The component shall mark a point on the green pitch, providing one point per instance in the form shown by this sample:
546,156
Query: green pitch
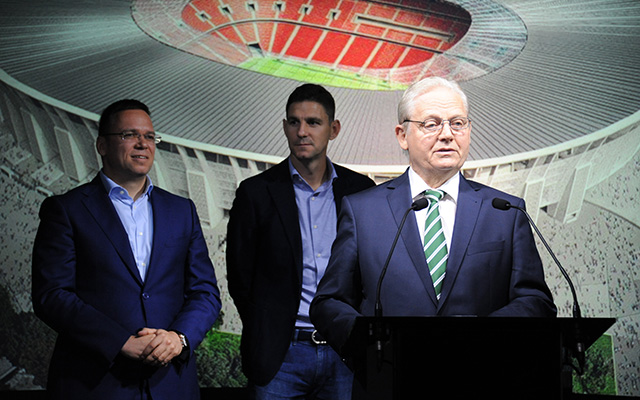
599,373
317,74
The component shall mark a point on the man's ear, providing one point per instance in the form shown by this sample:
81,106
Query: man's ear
335,129
401,135
101,145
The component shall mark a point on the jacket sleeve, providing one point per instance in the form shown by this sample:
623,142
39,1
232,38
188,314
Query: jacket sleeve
241,258
54,286
337,301
202,303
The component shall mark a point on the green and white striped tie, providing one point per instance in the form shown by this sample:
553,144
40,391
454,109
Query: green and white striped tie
435,244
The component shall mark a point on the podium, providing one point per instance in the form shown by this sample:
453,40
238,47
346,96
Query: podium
466,357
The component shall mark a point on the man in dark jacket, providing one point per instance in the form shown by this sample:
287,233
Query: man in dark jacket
282,224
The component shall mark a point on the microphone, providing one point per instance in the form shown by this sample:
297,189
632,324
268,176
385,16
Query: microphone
419,202
502,204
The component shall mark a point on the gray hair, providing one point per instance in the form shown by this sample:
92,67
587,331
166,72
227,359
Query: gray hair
405,107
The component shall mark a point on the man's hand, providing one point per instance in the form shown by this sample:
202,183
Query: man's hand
162,348
135,345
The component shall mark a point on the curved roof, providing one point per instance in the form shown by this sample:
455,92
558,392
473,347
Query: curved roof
577,73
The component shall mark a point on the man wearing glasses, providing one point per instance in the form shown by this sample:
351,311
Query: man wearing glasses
458,256
122,273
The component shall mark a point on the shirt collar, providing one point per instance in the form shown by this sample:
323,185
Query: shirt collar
114,189
451,187
294,172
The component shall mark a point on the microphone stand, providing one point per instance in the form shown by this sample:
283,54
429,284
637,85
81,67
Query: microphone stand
579,349
418,204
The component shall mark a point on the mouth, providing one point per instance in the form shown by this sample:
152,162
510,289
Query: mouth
140,157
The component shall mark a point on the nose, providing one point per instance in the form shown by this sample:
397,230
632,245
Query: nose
141,141
302,129
445,131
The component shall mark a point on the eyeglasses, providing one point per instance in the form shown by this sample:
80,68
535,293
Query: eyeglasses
431,126
130,136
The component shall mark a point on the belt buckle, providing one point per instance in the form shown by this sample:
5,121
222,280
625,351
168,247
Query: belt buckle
316,341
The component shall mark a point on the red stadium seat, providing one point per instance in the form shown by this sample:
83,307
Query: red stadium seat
331,47
359,51
304,41
370,37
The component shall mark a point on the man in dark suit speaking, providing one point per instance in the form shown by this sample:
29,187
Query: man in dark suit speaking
122,273
281,227
459,256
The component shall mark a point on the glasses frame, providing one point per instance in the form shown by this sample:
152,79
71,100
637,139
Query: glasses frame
454,131
134,136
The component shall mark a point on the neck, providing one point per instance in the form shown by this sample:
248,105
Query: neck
134,186
434,181
314,172
136,190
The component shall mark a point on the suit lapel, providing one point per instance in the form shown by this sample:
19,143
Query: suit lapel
339,191
99,205
398,202
161,225
281,191
467,212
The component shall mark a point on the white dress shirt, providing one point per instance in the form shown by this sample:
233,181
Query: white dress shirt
447,204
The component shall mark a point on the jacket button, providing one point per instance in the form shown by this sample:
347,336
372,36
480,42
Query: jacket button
145,295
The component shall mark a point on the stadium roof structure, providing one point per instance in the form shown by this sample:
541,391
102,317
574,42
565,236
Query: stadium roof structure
537,74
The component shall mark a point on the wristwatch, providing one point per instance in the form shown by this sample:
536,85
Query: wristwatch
183,340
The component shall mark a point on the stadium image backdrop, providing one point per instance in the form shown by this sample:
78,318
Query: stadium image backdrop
553,86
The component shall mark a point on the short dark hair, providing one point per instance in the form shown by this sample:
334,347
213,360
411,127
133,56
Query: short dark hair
114,108
316,93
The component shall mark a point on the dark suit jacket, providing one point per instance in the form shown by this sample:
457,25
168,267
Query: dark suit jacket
494,268
264,263
87,287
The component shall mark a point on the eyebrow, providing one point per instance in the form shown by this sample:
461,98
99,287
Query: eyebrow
308,119
136,131
439,117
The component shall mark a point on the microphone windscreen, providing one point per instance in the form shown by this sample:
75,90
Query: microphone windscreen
420,203
500,204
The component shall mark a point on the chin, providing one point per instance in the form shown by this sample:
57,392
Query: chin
446,167
141,173
304,156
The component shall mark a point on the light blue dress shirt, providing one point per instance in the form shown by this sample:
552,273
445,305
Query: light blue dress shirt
137,220
318,220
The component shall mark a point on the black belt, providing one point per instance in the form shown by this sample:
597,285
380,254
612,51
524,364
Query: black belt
309,336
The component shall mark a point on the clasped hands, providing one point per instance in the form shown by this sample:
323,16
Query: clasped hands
156,347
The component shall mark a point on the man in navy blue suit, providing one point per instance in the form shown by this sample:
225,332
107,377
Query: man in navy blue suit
488,262
122,273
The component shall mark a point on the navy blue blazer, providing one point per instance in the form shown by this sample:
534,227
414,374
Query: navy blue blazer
86,286
493,269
